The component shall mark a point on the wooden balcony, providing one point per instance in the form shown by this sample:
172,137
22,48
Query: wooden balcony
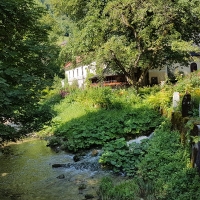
111,80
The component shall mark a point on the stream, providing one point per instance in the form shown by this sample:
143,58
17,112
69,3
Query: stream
26,173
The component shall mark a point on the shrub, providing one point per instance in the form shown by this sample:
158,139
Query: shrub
122,191
121,158
131,189
8,133
166,165
96,127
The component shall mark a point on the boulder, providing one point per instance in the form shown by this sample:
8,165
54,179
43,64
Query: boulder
94,152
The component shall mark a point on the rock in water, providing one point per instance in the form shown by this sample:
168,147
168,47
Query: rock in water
89,196
58,165
62,176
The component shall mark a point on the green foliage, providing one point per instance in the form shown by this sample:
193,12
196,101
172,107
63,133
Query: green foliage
7,133
28,61
161,171
54,142
188,84
147,90
108,98
99,97
96,128
161,97
43,112
74,85
91,117
121,158
166,164
132,37
36,119
132,189
123,191
93,129
159,167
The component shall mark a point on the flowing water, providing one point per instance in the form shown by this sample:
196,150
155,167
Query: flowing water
26,173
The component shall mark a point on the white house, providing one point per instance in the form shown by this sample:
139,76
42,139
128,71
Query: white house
158,76
79,73
155,76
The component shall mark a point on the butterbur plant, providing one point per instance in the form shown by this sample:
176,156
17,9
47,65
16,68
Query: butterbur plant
121,158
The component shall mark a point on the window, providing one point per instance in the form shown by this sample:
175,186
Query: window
154,80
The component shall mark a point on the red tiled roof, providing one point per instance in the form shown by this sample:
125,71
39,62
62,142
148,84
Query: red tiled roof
69,64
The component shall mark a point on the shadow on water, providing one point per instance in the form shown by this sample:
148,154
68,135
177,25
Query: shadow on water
26,173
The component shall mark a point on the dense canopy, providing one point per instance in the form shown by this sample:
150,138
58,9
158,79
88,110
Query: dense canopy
27,59
132,36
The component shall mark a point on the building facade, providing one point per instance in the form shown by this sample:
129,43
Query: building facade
154,76
158,76
79,74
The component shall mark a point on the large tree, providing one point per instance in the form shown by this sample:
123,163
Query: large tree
27,60
133,36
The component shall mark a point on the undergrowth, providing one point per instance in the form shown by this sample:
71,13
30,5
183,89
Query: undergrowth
162,171
97,128
158,168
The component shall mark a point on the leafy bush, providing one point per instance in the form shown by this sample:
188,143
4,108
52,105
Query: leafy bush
144,91
106,117
161,99
132,189
37,118
188,83
87,118
123,191
121,158
97,127
8,133
161,169
166,165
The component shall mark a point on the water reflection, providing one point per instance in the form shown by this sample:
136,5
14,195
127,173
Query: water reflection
26,173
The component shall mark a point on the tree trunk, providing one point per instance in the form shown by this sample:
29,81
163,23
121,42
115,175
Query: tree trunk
137,77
